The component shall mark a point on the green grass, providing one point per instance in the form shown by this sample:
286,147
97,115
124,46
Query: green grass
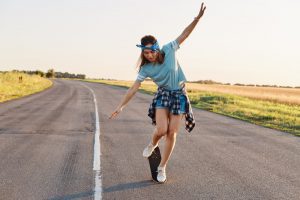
280,116
265,113
12,88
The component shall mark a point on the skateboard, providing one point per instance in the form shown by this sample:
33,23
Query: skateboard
154,161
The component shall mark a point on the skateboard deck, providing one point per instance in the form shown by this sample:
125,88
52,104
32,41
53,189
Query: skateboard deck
154,161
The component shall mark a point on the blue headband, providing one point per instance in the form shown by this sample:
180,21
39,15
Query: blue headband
154,47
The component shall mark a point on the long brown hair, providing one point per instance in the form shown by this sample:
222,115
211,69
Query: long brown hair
149,39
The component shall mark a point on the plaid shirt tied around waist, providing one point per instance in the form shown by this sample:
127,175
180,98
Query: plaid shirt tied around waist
170,98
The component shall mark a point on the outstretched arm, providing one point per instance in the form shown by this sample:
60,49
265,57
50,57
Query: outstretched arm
129,94
187,31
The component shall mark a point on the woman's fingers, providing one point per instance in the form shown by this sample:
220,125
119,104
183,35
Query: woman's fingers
114,114
202,9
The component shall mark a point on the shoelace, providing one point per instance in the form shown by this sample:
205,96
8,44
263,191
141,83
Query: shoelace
161,171
150,147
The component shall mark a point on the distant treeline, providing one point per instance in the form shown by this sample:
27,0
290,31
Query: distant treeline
239,84
50,74
67,75
215,82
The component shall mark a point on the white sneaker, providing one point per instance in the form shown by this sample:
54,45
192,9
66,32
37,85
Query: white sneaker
149,149
161,175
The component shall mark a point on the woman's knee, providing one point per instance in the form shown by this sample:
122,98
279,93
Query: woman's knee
161,131
171,133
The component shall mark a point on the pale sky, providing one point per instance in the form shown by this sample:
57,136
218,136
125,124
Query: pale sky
249,41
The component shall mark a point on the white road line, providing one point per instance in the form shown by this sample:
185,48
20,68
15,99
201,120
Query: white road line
97,153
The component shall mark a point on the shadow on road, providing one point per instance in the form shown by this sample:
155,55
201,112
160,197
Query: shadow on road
126,186
74,196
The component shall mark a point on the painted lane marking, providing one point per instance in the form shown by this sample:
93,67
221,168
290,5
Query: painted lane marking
97,153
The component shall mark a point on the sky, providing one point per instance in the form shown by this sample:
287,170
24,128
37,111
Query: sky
250,41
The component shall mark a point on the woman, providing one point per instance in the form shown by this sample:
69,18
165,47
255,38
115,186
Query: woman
170,102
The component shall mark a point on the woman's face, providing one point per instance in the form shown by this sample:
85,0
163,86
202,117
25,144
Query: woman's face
150,55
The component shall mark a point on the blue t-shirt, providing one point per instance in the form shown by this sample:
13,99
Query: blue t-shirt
168,74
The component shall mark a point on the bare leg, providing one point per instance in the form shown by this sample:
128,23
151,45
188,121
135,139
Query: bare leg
170,138
161,125
156,137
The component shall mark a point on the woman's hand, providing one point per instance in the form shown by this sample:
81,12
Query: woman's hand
115,113
201,12
129,94
187,31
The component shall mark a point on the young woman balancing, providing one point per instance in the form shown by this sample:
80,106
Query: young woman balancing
170,102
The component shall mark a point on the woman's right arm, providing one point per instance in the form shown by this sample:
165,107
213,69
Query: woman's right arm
129,94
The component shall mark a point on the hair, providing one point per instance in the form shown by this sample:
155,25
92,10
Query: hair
149,39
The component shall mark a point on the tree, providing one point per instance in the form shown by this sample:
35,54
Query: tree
40,73
50,73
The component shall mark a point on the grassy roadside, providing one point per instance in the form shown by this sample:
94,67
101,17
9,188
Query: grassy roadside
276,115
12,88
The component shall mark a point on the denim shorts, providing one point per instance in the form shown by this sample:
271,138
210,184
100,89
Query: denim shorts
182,99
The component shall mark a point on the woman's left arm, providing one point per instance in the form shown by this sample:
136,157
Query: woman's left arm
187,31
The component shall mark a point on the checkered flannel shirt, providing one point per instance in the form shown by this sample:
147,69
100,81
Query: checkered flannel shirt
172,101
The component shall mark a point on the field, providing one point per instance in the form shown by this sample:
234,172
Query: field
277,108
11,87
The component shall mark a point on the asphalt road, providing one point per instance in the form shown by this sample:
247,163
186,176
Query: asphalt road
47,139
